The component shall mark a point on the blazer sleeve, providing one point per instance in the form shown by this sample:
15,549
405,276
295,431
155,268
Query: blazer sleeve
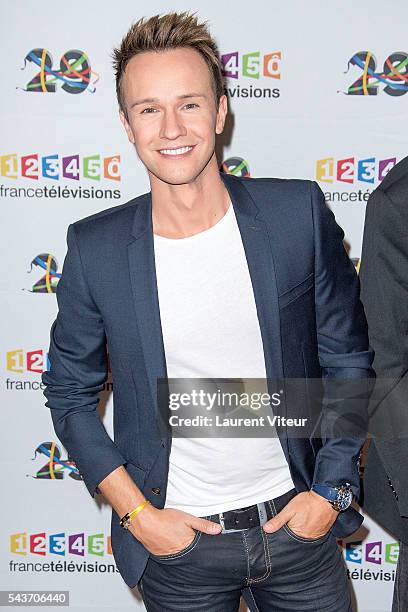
344,353
78,370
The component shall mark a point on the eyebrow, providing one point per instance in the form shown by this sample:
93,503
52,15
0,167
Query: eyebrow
155,100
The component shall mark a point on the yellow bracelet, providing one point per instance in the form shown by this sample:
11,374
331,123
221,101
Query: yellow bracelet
125,520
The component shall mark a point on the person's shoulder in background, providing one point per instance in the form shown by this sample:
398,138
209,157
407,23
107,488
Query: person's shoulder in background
396,179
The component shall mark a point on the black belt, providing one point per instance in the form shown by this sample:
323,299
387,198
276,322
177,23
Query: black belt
251,516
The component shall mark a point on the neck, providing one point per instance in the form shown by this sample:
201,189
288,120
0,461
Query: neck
179,211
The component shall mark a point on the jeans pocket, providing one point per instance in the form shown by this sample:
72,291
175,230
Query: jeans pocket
183,551
294,536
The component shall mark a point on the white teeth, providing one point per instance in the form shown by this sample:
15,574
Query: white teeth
175,151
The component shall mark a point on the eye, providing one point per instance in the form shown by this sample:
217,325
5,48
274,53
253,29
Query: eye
191,105
148,110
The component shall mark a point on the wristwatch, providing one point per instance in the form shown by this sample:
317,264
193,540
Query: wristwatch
339,497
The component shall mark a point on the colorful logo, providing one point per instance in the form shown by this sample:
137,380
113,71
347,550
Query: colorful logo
251,65
55,167
74,74
55,467
49,281
20,361
235,165
350,170
371,552
393,76
61,544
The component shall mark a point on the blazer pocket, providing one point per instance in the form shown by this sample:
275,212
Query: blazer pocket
295,292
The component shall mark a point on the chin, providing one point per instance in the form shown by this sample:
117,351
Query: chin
176,178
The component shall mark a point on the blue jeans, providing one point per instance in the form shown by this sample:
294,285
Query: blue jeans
276,572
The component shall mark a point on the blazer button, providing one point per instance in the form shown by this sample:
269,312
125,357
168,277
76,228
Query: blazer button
156,490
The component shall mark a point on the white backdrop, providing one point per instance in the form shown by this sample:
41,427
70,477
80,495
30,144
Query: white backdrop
65,155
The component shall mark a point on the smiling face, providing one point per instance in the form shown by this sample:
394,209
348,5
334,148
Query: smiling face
172,115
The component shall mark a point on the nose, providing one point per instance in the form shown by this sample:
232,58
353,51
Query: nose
172,126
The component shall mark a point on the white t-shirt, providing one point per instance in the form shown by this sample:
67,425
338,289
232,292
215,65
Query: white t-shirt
211,330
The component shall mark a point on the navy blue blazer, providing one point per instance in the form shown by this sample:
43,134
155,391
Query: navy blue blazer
311,319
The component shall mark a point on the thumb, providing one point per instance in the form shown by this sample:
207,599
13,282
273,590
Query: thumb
206,526
279,520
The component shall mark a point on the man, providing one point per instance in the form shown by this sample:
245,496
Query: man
384,292
207,275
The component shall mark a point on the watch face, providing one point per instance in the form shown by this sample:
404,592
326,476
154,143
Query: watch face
344,498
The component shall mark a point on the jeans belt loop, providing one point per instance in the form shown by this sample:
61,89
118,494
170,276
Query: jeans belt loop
262,513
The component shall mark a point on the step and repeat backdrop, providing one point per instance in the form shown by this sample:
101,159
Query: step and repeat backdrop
317,90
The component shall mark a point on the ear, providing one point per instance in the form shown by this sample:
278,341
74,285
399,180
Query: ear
221,114
127,127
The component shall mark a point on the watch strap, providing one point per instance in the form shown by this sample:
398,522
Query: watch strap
330,493
338,497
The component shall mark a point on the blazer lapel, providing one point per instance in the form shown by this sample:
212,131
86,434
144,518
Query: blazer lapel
144,288
258,247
